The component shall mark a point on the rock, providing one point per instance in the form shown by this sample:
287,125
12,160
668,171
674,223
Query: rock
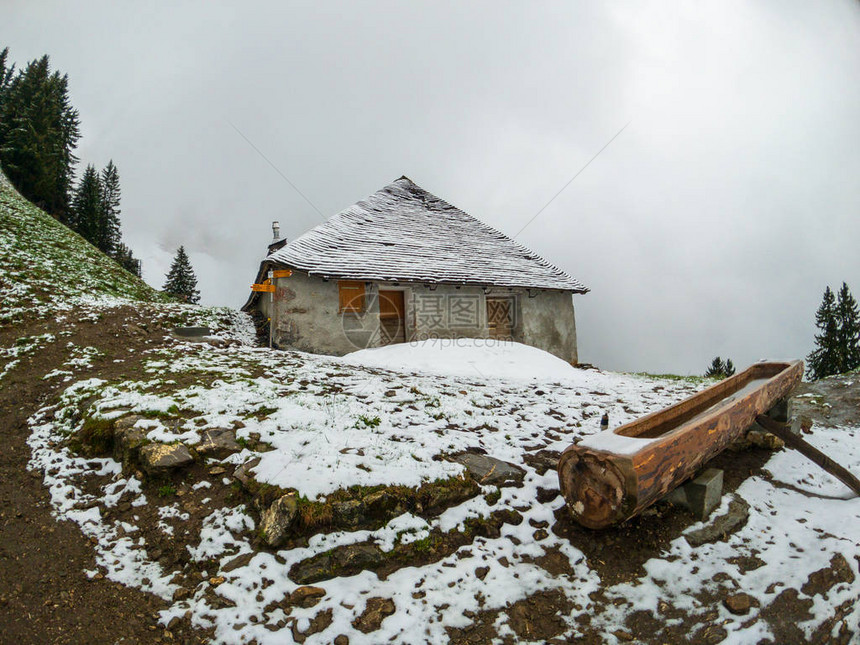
440,497
314,569
307,596
243,472
481,572
823,580
127,441
376,610
341,639
276,521
349,513
760,438
155,457
710,635
218,443
181,594
622,635
382,504
358,557
739,603
542,460
345,560
318,623
490,471
191,332
722,525
126,422
237,562
545,495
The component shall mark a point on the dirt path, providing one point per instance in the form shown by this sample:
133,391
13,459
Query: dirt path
45,596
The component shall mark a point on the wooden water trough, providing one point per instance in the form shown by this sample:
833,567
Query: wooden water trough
615,474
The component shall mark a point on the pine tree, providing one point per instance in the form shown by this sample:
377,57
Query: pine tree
86,213
7,72
38,132
848,334
181,281
825,359
716,369
125,258
720,369
109,236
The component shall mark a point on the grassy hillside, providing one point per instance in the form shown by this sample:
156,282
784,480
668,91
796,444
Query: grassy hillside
45,267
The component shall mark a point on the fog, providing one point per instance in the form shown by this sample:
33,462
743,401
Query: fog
710,226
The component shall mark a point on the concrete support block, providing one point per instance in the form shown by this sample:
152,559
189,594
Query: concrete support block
782,411
701,495
758,437
793,425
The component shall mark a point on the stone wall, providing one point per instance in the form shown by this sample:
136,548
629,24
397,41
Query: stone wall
548,322
306,316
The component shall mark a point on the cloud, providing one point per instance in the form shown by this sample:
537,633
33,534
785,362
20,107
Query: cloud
710,226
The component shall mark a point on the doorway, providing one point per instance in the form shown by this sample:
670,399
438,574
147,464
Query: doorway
392,319
500,317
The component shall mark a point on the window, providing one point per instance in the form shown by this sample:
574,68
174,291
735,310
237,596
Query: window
350,296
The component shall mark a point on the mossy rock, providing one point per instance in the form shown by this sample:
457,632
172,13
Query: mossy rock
96,436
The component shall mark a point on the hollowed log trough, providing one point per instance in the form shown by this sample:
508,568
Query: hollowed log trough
611,476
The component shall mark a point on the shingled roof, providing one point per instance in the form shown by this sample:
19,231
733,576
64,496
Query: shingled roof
403,233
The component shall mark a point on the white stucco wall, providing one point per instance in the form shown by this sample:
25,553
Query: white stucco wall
306,316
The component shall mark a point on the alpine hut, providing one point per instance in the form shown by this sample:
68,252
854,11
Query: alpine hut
404,265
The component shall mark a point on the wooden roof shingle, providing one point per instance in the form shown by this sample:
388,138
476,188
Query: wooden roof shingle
402,233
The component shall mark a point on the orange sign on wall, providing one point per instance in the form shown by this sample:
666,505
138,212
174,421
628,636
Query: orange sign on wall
282,273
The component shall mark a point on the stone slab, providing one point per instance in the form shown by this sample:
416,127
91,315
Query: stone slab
192,332
488,470
156,457
722,525
218,443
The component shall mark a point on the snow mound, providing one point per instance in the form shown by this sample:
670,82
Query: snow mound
476,357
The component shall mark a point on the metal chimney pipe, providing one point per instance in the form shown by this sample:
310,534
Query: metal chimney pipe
276,231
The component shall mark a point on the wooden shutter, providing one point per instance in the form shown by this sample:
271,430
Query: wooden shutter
350,296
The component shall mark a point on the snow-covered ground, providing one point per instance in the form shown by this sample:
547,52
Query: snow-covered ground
384,416
486,358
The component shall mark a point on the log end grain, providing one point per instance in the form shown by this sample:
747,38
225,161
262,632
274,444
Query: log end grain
593,487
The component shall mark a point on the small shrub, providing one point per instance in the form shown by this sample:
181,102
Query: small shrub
367,422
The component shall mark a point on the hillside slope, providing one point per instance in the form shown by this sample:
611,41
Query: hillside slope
69,312
218,492
45,266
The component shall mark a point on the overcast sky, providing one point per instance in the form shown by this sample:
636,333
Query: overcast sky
711,225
